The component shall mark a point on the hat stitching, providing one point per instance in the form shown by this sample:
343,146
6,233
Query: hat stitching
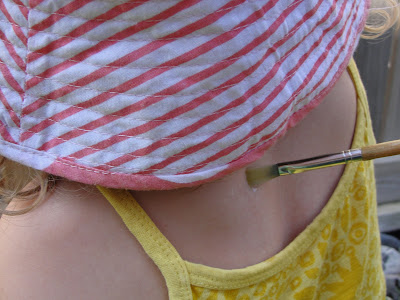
18,32
119,116
122,135
37,6
295,95
261,141
129,39
105,1
282,127
13,67
15,57
88,168
6,85
66,104
283,124
249,76
144,67
7,137
76,106
253,146
174,17
113,115
254,51
256,145
12,114
125,170
133,68
160,39
46,154
295,101
14,85
127,117
13,44
140,95
149,155
166,169
155,67
180,94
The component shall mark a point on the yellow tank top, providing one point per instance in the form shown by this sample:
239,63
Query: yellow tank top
336,257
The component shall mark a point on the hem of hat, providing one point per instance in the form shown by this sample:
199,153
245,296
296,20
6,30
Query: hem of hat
29,157
93,176
151,182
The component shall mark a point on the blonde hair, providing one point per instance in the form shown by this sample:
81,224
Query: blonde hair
21,183
383,15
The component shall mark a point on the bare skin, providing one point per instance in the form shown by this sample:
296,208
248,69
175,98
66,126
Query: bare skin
74,246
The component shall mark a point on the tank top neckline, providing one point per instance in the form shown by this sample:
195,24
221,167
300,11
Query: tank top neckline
217,278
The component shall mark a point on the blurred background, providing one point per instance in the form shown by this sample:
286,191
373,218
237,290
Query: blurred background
378,61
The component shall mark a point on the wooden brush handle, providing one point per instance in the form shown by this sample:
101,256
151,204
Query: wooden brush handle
380,150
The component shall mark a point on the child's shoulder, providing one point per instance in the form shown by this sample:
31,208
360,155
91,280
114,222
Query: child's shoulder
73,245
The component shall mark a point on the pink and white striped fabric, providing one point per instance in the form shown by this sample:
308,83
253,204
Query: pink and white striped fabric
160,94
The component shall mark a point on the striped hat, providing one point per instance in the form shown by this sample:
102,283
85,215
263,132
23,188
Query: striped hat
160,94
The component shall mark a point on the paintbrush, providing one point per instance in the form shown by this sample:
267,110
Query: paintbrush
259,175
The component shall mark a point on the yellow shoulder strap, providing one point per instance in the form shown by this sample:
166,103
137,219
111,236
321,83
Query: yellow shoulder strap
363,117
165,256
154,243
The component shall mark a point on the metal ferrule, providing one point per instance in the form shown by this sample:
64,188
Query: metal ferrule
300,166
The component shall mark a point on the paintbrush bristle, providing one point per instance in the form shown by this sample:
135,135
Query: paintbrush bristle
257,176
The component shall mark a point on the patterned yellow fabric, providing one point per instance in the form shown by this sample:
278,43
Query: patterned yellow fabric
336,257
